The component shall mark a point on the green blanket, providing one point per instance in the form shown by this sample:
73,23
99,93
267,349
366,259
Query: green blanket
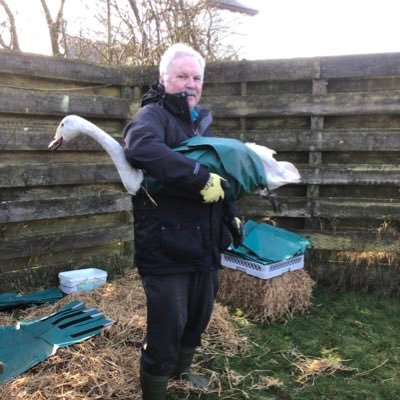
266,243
10,299
230,158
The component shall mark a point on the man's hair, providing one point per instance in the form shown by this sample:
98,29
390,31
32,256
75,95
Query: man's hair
179,50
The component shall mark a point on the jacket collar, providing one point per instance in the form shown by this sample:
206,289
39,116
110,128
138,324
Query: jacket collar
175,103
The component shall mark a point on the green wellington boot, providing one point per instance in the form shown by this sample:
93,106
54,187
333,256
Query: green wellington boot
153,387
182,370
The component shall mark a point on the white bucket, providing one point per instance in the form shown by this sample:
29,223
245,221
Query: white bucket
81,280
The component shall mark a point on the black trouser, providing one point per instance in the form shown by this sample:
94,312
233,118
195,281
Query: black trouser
179,307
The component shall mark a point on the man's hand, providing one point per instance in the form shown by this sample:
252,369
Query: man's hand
213,191
235,227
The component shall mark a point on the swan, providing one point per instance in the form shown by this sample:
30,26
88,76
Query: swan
73,125
277,173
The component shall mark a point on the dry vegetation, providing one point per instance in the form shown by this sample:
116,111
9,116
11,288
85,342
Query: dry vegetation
106,366
267,300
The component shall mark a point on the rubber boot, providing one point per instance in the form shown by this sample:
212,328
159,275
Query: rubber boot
153,387
182,370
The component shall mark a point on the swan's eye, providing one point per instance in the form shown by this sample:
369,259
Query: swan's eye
62,124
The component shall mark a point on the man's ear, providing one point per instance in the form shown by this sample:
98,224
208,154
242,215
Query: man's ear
161,80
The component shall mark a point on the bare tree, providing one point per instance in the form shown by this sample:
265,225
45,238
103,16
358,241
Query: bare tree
138,31
8,29
134,32
56,28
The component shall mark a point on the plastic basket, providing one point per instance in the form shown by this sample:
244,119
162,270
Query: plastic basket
81,280
263,271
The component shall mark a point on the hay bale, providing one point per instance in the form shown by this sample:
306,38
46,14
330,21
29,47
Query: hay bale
107,365
266,300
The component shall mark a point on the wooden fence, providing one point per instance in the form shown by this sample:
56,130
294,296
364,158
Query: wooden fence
336,118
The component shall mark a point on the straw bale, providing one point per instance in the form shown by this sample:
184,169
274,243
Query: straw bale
106,366
266,300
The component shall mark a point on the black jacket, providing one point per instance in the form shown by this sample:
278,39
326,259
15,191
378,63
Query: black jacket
180,233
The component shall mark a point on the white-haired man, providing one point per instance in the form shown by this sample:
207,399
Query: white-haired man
180,231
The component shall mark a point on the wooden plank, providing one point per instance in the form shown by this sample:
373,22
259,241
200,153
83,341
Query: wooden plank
13,62
320,140
67,259
245,71
380,102
17,175
19,211
368,209
39,245
263,70
363,65
67,191
290,69
29,102
48,157
26,138
57,86
18,230
351,242
24,132
350,174
256,206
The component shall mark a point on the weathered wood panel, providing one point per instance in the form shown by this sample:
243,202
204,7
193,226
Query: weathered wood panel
381,102
366,209
35,65
60,207
336,118
321,140
271,70
20,134
364,65
17,175
37,245
37,103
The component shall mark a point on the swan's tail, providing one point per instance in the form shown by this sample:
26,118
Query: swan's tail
278,173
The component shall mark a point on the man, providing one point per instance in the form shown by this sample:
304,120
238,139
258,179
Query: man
179,231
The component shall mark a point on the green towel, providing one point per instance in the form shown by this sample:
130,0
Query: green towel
266,243
8,300
230,158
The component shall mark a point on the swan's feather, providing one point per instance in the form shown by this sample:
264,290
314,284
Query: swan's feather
278,173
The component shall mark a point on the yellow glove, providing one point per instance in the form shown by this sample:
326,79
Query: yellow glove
212,191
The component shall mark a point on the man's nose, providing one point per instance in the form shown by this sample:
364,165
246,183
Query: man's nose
190,82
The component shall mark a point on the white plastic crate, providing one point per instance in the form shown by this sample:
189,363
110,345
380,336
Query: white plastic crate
81,280
263,271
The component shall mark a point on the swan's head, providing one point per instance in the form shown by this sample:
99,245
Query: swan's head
69,128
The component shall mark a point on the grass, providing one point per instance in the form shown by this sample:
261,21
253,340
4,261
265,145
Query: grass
346,348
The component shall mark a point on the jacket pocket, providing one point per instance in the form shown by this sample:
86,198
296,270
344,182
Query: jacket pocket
182,242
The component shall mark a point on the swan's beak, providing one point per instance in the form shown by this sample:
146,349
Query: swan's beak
56,143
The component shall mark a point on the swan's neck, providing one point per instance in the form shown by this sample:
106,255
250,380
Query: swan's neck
109,144
131,177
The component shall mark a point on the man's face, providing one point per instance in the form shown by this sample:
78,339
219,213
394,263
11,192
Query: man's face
184,75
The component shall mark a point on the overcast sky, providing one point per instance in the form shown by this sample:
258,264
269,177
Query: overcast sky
307,28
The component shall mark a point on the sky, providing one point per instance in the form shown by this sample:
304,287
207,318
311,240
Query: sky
282,29
310,28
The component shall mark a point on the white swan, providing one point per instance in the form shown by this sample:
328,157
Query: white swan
73,125
278,173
